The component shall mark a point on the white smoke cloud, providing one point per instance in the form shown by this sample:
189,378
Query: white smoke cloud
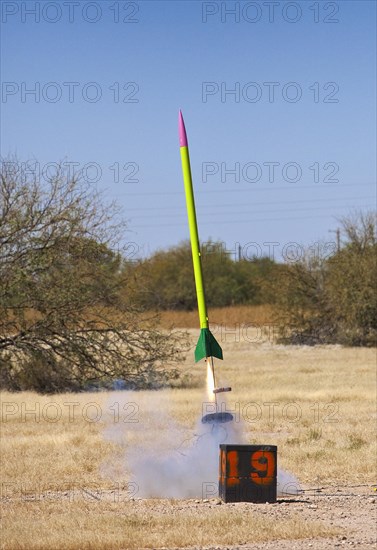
167,460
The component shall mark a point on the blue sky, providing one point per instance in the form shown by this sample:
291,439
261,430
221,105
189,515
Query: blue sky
109,78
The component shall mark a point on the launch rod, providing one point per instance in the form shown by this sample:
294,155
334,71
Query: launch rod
193,226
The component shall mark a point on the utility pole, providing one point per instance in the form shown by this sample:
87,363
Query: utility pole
337,232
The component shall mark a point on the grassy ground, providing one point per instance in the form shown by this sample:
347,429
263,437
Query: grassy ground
105,525
317,404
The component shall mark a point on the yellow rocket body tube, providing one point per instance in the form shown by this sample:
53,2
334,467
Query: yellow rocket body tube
194,237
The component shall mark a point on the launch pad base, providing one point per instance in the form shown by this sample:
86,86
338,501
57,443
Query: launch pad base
217,418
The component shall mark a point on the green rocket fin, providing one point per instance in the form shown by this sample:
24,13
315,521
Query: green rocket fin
207,346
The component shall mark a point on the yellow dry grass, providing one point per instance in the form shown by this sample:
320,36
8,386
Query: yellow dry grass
98,525
316,403
231,316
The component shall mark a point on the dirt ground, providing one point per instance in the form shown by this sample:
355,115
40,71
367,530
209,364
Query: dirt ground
350,510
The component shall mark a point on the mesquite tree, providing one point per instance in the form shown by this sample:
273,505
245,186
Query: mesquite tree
64,323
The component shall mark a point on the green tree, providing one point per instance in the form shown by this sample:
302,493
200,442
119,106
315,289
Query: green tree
352,282
333,300
166,279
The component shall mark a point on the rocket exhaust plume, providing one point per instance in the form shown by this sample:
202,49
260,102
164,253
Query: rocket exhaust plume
207,346
216,417
210,381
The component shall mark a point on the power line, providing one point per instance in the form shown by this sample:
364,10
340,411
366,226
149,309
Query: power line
238,190
179,215
267,203
223,222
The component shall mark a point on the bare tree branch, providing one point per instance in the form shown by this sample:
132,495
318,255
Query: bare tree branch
64,319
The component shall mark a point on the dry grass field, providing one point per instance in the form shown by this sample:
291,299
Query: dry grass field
67,482
231,316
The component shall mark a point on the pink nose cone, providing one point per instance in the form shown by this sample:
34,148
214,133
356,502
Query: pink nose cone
182,131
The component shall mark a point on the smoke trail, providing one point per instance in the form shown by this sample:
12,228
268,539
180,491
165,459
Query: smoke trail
167,460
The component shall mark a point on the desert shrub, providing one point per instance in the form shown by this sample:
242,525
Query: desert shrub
333,300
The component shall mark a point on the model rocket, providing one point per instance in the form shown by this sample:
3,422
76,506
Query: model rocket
207,345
